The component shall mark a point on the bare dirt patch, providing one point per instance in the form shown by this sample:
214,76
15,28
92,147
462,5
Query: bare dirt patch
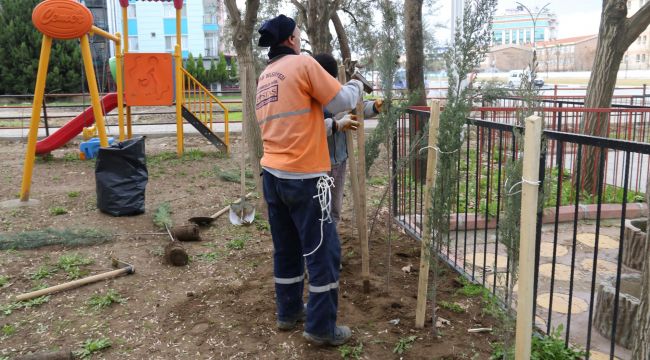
222,304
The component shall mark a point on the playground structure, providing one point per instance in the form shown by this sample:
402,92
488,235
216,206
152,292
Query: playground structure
151,79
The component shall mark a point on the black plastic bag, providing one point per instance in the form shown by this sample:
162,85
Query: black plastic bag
121,178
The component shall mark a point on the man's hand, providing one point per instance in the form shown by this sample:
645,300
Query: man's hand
348,122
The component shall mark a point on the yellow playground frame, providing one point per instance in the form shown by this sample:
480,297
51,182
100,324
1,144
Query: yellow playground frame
68,19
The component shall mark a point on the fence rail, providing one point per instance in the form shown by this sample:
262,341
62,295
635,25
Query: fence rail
583,252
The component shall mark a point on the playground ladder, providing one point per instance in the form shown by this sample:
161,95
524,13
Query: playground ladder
199,106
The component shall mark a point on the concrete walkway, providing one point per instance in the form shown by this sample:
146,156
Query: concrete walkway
148,130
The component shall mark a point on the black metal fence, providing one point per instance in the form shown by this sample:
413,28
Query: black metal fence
587,256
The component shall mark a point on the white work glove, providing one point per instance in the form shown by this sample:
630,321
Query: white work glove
348,122
340,115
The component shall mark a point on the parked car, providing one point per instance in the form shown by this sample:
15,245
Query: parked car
515,76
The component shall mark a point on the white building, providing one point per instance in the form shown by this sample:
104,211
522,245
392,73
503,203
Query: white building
152,26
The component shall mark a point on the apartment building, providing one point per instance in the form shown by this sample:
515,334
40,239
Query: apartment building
637,56
516,27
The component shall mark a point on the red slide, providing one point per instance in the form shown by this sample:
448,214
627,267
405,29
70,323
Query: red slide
75,126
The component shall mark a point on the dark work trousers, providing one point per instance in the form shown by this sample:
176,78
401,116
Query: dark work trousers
338,173
295,219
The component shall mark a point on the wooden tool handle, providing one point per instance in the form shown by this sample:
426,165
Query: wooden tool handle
227,208
74,284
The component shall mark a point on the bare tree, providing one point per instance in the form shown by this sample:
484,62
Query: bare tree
242,37
617,32
414,50
315,16
342,37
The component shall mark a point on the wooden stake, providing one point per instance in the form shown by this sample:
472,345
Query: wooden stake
529,186
362,216
356,198
425,247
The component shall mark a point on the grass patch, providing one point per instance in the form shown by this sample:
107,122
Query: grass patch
73,194
71,157
542,348
262,225
404,344
99,302
9,308
91,346
351,352
378,181
8,330
231,175
470,289
236,244
69,237
451,306
71,264
58,210
4,280
43,272
210,256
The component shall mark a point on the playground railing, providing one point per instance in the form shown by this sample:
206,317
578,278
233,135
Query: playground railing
583,249
202,103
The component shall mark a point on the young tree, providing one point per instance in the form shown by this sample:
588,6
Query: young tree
617,32
233,70
212,72
21,42
242,35
414,51
471,43
222,69
190,65
200,71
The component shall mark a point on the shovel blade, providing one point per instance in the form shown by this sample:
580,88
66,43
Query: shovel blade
242,213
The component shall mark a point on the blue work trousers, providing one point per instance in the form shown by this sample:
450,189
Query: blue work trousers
295,219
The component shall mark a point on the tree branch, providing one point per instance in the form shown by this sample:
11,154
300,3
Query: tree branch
252,6
351,15
233,12
636,24
302,11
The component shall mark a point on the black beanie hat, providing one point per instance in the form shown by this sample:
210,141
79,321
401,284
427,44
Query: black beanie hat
276,30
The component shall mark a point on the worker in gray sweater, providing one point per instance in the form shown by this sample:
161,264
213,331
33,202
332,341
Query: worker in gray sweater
336,140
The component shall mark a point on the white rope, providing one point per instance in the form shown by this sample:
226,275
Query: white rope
523,181
437,149
324,195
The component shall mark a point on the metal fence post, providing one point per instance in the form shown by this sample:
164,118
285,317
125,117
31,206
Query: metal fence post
529,185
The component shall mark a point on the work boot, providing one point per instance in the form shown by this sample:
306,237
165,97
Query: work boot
341,335
290,324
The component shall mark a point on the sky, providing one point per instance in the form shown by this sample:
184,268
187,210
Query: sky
575,17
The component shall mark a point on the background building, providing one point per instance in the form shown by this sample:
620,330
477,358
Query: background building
507,57
637,55
152,26
516,27
570,54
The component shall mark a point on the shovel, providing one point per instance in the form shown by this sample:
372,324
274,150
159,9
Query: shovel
207,220
242,213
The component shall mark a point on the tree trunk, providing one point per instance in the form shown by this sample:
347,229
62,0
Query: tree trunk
342,36
319,13
414,50
616,34
248,86
242,40
641,349
316,15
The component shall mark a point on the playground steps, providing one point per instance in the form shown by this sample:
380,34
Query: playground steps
204,130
